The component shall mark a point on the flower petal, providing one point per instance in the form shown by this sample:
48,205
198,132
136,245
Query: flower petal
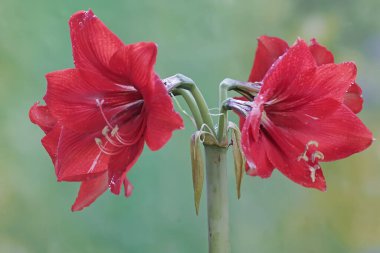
269,49
253,145
321,54
162,119
258,163
134,65
301,173
282,73
313,86
84,106
92,42
353,98
300,113
339,135
41,116
333,80
89,191
79,157
120,164
50,142
284,150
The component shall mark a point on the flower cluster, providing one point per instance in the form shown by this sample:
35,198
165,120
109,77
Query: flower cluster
99,115
303,114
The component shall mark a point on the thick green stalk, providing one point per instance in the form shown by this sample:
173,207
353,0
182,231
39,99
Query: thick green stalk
217,199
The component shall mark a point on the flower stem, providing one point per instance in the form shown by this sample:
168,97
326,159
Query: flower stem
180,81
247,89
217,199
190,101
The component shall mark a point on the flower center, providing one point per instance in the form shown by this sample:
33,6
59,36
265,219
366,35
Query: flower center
112,140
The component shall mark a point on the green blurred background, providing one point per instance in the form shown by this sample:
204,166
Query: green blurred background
207,40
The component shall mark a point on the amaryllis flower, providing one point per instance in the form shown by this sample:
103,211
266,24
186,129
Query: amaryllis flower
271,48
300,118
99,114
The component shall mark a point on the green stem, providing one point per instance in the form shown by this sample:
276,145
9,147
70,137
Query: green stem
217,199
190,101
247,89
180,81
223,117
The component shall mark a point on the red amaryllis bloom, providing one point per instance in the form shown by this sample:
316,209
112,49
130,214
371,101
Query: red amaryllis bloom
271,48
299,118
100,113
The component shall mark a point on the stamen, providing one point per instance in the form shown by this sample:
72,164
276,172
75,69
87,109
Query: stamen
100,105
114,131
303,156
105,131
312,158
103,148
126,142
110,132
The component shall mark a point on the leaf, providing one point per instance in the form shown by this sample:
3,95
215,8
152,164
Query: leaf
238,155
197,167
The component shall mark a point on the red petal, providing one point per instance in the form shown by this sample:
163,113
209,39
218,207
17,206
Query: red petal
339,135
120,164
76,102
258,163
93,43
300,173
50,142
41,116
278,79
321,54
79,157
134,64
89,191
253,145
269,49
294,115
310,92
162,119
283,151
333,80
353,98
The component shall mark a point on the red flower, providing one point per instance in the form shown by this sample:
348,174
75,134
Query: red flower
300,116
100,113
272,48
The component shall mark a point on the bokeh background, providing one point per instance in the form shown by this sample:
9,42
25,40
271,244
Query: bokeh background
207,40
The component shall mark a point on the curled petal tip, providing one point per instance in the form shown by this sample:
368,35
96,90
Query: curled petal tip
80,17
